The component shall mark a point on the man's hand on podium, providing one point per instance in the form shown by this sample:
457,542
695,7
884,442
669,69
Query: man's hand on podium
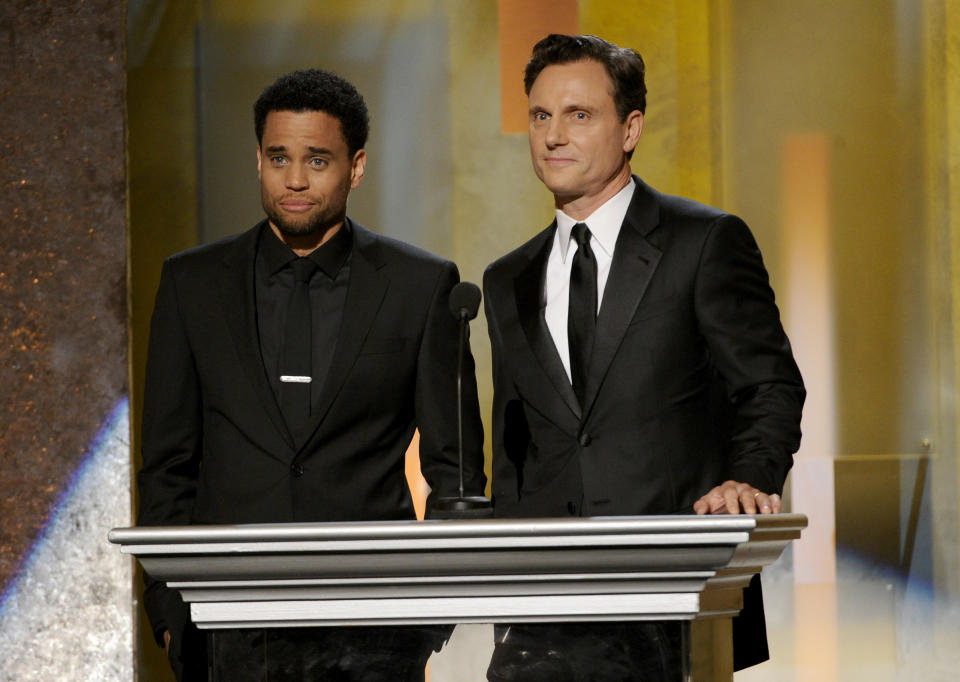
733,497
166,642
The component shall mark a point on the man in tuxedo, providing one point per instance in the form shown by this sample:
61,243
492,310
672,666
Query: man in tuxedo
639,362
288,369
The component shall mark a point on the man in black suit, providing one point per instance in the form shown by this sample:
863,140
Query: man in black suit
290,365
639,362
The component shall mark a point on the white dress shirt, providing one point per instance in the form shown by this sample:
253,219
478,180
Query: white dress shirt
604,225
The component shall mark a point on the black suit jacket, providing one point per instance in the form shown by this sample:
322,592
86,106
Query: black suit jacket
692,380
216,449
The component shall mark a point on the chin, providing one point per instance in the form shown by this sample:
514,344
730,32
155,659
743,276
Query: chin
305,230
558,182
288,228
562,189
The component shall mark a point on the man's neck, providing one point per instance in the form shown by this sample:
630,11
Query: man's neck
304,245
581,206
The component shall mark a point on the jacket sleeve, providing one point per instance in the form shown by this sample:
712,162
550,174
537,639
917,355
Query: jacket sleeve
505,489
172,437
436,401
740,321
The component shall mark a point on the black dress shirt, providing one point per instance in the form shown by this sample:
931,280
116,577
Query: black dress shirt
328,294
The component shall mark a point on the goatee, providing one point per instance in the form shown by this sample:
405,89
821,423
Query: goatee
297,229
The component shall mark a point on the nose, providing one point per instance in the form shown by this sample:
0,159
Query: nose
556,134
296,177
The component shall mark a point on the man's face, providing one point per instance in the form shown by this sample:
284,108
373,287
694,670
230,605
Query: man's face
306,172
578,143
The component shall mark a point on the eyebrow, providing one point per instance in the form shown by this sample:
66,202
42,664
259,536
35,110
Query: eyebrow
566,109
579,107
279,148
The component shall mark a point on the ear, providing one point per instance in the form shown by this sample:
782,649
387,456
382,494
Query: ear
633,126
258,160
358,165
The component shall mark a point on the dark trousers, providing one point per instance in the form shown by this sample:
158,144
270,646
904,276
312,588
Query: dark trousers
325,654
594,652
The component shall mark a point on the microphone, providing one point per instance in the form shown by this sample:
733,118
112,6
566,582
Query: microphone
464,304
465,301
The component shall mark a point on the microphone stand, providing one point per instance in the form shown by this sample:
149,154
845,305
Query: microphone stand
463,334
461,507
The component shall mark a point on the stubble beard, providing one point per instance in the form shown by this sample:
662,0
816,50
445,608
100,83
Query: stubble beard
317,223
289,228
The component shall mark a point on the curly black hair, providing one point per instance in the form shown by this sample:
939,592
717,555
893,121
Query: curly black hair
316,90
623,65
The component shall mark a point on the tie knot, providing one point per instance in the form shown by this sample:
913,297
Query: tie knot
303,269
581,234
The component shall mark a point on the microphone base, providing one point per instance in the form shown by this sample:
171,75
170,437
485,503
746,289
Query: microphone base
462,508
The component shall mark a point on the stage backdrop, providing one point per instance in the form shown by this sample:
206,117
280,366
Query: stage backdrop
830,127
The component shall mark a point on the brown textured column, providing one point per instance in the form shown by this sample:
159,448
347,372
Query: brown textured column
63,303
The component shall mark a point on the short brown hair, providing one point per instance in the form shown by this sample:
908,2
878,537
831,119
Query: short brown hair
623,65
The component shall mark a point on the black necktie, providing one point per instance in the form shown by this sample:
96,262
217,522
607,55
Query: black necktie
295,360
582,313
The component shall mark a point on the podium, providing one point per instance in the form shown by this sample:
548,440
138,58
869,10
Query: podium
688,568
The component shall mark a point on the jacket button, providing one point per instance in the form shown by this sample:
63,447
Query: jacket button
572,508
296,469
585,439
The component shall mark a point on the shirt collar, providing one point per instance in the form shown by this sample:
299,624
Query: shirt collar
329,257
604,223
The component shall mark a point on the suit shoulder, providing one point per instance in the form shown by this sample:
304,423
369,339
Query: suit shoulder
518,256
681,208
396,250
686,218
212,251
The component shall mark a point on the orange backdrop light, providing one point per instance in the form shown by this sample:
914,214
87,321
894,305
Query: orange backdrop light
521,24
809,297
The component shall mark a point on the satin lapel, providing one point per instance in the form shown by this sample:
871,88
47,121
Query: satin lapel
239,309
634,261
528,289
364,296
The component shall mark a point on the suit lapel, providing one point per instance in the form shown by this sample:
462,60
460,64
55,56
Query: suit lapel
240,311
528,290
364,296
634,261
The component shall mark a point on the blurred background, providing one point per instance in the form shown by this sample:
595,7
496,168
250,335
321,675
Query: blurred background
830,126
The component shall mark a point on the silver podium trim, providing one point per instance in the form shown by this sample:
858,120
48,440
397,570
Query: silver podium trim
471,571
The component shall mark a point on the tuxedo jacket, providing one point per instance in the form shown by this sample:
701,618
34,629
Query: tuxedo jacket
216,448
691,381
